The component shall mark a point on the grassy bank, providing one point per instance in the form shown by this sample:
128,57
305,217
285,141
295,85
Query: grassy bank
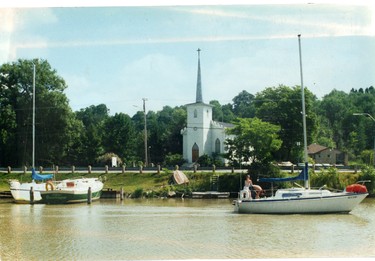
134,181
154,184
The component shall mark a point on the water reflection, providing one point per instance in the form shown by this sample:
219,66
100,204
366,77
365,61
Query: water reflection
178,229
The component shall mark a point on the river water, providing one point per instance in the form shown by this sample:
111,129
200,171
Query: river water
111,229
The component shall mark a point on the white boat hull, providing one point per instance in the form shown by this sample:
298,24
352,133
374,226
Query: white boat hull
73,191
335,203
21,191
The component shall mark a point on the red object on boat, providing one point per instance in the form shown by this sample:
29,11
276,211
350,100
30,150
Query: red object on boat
356,188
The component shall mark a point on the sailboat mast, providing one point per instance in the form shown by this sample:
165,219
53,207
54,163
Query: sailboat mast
303,113
33,153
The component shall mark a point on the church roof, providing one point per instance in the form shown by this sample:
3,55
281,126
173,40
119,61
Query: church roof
199,97
199,103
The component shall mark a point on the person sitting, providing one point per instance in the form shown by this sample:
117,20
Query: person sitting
249,183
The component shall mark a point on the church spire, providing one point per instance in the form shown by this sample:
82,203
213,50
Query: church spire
199,97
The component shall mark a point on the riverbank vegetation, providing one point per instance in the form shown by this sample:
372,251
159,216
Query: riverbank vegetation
153,184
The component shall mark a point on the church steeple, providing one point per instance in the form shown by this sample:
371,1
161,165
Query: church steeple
199,97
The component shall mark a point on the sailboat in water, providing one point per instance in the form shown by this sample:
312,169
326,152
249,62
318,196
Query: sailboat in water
301,199
30,191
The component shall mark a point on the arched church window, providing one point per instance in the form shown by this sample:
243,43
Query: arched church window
217,145
195,113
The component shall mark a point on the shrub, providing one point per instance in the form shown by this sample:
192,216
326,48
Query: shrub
138,193
368,173
174,159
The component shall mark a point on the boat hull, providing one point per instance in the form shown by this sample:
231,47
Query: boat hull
72,191
342,203
21,191
67,197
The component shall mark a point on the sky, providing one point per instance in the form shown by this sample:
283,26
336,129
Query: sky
120,55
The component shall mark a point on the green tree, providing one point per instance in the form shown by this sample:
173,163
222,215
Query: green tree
222,113
254,140
119,136
217,112
93,119
53,114
243,105
282,106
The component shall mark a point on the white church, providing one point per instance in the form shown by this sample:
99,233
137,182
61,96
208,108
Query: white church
202,135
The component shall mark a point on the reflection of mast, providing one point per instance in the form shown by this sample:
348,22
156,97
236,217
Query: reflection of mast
303,114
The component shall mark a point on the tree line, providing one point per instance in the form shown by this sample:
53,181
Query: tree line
91,136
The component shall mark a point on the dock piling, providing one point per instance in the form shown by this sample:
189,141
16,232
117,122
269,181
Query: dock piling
32,195
89,196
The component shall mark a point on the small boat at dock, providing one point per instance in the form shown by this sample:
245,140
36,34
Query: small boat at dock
72,191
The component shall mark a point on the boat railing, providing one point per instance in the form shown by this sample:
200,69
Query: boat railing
362,182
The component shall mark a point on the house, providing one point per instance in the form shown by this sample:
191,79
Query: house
324,155
202,135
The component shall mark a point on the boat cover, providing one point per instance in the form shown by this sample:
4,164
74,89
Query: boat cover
37,176
302,176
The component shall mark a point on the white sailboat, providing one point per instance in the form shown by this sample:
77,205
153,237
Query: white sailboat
72,191
302,199
30,191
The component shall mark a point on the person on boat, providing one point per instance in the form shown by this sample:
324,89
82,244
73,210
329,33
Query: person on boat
249,183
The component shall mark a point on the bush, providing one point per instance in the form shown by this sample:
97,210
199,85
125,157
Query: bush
329,177
368,173
106,159
138,193
174,159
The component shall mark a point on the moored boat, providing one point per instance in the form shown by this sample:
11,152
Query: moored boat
301,200
72,191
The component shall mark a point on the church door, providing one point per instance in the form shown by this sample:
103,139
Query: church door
195,152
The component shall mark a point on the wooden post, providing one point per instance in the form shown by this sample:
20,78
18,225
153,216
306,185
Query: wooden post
73,169
232,169
122,193
158,169
89,169
9,169
24,170
195,168
32,195
123,168
141,169
106,169
57,169
213,168
89,196
40,169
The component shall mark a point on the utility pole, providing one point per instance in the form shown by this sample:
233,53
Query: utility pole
145,129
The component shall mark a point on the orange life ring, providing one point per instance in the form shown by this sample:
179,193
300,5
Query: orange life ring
50,186
356,188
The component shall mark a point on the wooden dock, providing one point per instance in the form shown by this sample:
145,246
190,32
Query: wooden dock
110,193
5,194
